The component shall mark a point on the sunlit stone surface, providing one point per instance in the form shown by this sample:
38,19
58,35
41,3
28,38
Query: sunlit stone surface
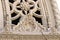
1,18
58,4
29,20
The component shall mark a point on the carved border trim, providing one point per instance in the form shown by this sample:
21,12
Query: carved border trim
7,22
28,37
56,14
4,12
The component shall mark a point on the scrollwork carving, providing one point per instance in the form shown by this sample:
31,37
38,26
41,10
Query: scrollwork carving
26,10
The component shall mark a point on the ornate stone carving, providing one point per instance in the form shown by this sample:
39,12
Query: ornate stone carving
27,12
56,14
35,17
27,21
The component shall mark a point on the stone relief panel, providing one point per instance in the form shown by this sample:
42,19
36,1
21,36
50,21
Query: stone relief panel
28,17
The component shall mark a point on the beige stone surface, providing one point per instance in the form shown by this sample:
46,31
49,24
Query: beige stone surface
28,28
28,37
1,16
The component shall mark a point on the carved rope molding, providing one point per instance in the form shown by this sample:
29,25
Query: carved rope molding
56,14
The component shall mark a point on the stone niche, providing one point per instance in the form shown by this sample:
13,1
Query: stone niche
29,20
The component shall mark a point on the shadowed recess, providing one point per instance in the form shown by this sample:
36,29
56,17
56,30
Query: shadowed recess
11,1
35,0
38,12
38,19
16,21
13,14
10,8
18,8
32,7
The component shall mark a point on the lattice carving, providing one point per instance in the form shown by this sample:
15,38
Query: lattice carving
28,17
26,9
31,17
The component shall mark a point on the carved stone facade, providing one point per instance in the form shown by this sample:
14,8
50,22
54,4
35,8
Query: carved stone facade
29,20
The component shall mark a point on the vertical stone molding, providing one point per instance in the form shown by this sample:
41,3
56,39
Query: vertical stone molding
56,14
1,17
